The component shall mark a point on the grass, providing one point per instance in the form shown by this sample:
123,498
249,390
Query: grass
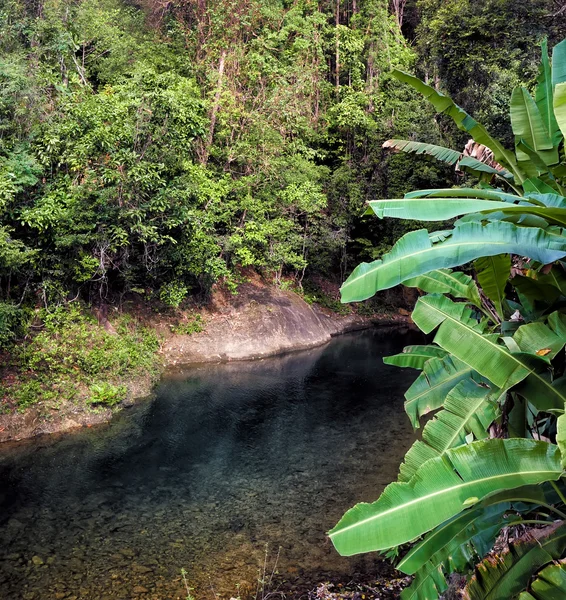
72,358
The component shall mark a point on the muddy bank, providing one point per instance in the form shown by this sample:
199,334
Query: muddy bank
258,322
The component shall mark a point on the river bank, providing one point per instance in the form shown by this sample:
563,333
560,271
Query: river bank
257,322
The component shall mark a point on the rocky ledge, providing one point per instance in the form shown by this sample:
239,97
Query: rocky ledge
262,321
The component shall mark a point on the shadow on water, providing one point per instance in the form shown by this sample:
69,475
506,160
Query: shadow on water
226,461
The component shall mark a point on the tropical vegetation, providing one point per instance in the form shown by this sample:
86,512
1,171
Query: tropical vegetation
493,455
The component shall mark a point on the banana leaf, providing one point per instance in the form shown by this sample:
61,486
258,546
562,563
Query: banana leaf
442,488
446,281
548,199
461,541
485,194
543,97
465,122
414,254
537,338
527,124
504,576
429,390
560,106
461,335
446,155
544,392
447,208
415,357
561,437
537,186
468,409
492,273
557,322
559,63
438,538
550,583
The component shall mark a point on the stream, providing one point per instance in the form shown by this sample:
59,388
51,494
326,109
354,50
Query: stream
232,472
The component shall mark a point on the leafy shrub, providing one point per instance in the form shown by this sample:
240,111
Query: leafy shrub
107,394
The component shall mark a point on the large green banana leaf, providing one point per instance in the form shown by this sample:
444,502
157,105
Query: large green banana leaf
446,155
543,97
539,388
559,63
467,410
535,185
461,335
443,487
436,540
561,437
429,390
550,200
527,124
415,357
414,254
560,106
537,338
484,194
465,122
458,544
446,281
504,576
443,209
492,273
550,584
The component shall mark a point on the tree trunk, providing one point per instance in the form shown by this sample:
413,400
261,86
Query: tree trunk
215,107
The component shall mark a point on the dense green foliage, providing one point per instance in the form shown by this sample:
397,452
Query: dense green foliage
160,147
496,367
73,358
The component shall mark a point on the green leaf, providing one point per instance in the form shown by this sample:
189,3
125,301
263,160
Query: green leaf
441,209
429,390
415,357
535,185
528,125
453,546
504,576
559,63
464,121
446,281
560,106
446,155
537,338
414,254
550,200
439,490
492,273
561,437
467,409
485,194
543,97
447,208
550,583
462,336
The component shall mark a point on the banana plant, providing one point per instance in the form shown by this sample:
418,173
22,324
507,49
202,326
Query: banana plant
494,452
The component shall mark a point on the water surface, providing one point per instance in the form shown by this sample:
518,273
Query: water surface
231,470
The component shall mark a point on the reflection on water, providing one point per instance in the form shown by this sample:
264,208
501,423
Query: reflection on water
226,461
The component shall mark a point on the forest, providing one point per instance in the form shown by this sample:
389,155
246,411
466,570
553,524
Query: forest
155,148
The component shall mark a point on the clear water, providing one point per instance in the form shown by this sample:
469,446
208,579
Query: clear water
232,470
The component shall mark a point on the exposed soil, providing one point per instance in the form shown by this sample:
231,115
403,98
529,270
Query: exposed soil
259,321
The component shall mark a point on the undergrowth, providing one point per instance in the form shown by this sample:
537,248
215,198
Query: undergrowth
72,358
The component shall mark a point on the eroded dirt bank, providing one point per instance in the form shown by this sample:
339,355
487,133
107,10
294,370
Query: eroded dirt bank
258,322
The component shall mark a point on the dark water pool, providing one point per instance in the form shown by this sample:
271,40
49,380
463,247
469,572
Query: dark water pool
233,470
